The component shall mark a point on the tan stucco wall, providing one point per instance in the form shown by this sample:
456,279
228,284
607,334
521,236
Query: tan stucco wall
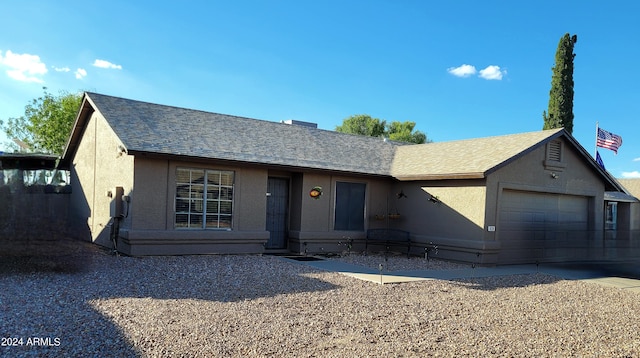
465,209
634,216
155,193
311,220
149,196
454,222
98,167
312,228
152,230
529,173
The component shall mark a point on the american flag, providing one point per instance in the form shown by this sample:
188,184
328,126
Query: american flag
608,140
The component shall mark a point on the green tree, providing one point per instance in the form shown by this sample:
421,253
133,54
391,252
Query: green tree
362,124
403,132
560,111
47,122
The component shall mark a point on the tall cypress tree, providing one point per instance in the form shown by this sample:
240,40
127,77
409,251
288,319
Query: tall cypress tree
560,111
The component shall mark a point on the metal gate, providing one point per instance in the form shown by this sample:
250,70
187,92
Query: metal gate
277,210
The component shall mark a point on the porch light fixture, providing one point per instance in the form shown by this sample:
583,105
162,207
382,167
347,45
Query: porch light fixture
316,192
554,175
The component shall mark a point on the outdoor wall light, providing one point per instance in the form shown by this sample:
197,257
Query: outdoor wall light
316,192
554,175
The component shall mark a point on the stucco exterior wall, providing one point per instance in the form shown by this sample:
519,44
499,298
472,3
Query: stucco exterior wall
461,216
151,184
634,216
98,166
444,213
529,173
316,232
151,230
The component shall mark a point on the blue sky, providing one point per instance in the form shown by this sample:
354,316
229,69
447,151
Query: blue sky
323,61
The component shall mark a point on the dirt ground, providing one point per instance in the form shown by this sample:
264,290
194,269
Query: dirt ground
50,255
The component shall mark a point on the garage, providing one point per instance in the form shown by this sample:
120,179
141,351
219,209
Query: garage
538,226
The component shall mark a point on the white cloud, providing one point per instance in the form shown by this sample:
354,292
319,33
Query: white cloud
462,71
61,69
24,67
633,174
636,160
492,73
106,64
80,73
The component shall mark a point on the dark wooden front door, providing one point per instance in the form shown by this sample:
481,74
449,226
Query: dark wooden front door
277,210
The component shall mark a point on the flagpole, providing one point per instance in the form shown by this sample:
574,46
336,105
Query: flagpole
595,152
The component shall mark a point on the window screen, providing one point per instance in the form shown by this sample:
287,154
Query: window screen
349,213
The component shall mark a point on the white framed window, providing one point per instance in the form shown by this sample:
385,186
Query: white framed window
204,199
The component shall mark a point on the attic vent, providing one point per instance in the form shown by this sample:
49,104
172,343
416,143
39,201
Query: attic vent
554,156
554,153
300,123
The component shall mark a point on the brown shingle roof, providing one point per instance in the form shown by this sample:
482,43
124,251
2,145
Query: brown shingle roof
472,158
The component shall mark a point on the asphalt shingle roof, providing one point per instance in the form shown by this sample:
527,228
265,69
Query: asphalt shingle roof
632,186
471,158
154,128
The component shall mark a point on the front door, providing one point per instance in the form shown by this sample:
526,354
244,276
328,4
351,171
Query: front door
277,205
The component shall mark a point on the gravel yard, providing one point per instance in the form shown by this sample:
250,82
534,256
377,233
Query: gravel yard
91,303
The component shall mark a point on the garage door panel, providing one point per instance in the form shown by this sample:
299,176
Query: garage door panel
534,226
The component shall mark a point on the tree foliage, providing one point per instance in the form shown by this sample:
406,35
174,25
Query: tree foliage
403,132
560,111
46,123
364,124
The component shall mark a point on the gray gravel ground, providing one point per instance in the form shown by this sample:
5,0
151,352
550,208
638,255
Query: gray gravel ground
91,303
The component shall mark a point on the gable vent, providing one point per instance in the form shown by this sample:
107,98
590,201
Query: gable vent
555,151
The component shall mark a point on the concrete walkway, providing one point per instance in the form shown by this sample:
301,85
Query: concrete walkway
620,275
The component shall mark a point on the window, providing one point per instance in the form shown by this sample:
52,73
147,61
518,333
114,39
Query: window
349,206
204,199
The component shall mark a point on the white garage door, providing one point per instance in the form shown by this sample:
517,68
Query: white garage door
541,226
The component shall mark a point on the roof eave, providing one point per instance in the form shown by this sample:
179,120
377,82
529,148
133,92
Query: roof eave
189,158
456,176
85,111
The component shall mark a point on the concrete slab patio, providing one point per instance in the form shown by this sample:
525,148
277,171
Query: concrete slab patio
623,275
